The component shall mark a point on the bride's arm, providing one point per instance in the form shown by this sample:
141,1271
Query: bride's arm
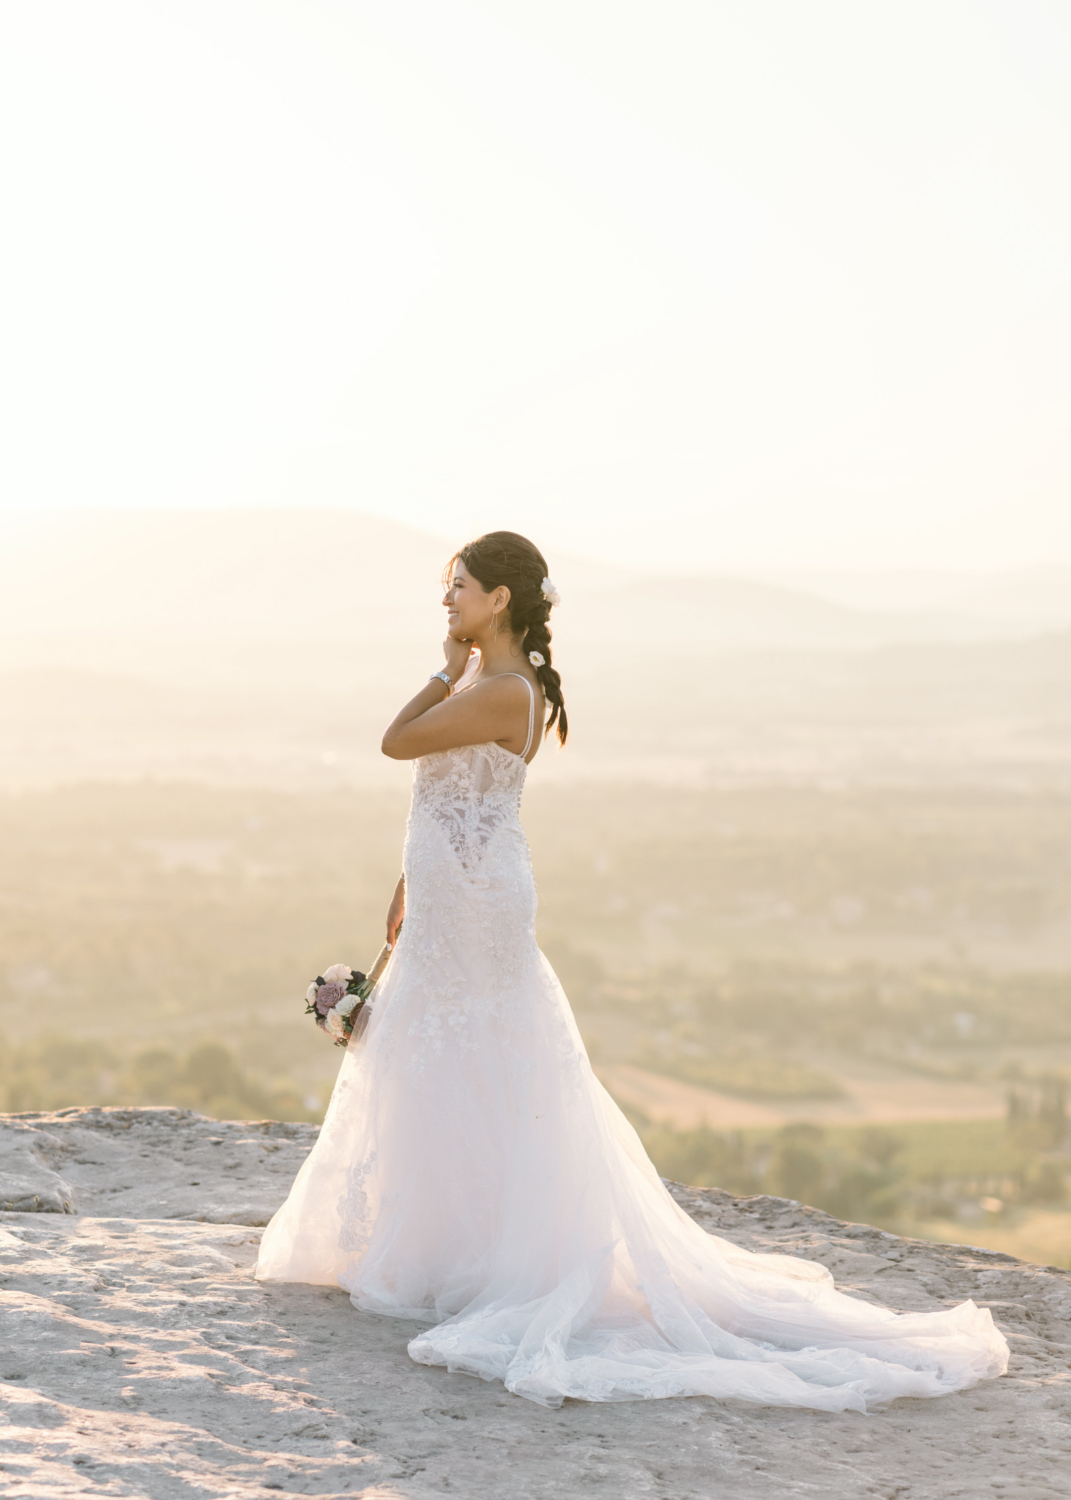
396,912
492,710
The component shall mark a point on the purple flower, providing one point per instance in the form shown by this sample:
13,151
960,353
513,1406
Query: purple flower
328,996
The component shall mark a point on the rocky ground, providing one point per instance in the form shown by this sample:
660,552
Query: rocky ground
138,1357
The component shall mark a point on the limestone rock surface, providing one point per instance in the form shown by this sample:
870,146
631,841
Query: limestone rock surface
149,1164
138,1357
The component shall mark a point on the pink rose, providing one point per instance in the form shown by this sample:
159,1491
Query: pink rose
328,996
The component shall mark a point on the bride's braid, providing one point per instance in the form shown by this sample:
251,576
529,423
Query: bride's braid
505,558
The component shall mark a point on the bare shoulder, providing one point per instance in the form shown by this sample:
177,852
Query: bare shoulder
503,686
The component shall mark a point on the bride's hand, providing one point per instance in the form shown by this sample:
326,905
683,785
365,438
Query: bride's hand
457,655
395,912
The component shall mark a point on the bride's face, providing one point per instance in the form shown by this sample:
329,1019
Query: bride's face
468,608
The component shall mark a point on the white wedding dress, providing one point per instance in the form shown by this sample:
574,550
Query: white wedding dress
473,1173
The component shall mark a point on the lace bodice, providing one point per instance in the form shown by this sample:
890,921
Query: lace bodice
466,796
470,796
469,894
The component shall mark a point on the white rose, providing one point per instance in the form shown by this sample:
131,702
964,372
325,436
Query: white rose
310,993
334,1023
345,1007
550,592
338,974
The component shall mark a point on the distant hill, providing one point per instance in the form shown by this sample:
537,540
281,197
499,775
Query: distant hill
1025,594
1037,598
902,684
311,715
242,575
743,615
904,713
291,576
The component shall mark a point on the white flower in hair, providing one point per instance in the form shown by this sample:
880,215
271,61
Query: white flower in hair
550,593
536,660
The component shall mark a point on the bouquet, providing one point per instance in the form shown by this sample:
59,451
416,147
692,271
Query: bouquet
338,998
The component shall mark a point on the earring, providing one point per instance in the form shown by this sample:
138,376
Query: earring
495,618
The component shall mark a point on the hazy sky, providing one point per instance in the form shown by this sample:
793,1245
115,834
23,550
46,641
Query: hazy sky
718,284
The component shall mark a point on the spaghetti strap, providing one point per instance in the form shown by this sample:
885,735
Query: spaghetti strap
531,709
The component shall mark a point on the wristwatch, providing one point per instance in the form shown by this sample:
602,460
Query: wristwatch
443,677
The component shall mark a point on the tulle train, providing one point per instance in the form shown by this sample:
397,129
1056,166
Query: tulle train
473,1173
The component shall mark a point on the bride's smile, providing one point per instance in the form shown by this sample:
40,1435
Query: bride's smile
472,1172
470,612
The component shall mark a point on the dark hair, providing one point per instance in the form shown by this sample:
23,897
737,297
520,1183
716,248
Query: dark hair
504,559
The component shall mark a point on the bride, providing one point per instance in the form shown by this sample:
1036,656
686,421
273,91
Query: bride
472,1173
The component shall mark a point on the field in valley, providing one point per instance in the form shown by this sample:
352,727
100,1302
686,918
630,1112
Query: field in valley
860,997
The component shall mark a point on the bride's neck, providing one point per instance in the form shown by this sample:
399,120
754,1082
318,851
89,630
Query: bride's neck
501,655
